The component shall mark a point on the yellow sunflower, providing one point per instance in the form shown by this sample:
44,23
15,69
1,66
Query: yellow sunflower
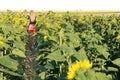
77,65
1,40
118,37
45,37
114,32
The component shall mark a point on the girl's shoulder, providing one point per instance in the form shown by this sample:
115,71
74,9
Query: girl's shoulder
28,17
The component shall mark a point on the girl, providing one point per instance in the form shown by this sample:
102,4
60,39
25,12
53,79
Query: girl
32,28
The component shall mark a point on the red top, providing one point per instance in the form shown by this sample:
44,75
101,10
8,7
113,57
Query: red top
32,28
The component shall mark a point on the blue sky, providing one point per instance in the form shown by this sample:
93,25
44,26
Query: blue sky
60,4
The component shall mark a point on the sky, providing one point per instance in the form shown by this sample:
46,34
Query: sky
59,5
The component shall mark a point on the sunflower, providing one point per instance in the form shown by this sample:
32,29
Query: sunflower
114,32
118,37
1,40
76,66
45,37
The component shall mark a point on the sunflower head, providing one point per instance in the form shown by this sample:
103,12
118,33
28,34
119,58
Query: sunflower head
85,64
1,40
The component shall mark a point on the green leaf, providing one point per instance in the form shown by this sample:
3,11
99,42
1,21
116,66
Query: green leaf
117,62
101,76
49,66
56,55
74,39
6,29
11,37
42,75
112,69
102,50
10,72
19,44
89,74
81,54
68,51
7,61
109,31
38,57
19,53
80,76
1,76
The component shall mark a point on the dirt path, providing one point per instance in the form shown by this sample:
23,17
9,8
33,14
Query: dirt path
29,68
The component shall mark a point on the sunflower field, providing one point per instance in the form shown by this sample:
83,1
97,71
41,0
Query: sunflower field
68,46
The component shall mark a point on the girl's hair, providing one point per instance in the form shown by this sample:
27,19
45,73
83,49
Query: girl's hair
32,15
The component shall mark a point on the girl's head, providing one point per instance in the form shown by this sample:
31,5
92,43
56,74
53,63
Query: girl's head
32,15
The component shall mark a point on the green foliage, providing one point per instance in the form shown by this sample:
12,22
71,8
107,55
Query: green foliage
116,62
13,48
92,75
8,62
61,39
18,53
